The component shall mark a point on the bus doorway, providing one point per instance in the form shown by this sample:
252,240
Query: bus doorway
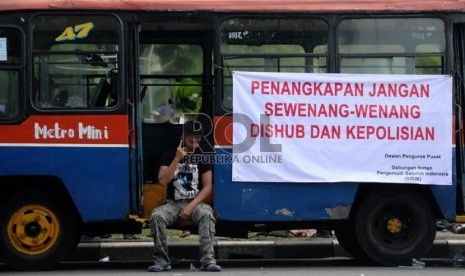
175,62
459,50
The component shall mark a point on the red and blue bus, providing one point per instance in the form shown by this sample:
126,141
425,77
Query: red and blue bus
93,92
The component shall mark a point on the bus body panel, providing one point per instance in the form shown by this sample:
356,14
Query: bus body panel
88,153
445,198
95,178
259,201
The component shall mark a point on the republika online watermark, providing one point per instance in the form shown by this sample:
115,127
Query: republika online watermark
269,153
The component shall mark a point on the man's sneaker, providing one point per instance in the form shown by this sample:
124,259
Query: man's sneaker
211,267
443,223
158,268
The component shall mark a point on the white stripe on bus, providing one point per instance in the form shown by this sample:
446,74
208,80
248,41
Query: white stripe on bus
64,145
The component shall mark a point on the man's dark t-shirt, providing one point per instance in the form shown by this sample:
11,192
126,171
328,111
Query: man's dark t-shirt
186,180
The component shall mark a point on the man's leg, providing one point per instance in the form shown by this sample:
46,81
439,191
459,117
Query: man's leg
160,218
203,217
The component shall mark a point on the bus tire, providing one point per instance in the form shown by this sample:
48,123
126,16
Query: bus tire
347,239
394,226
37,230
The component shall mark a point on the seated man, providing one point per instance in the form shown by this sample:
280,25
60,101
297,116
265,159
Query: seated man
192,183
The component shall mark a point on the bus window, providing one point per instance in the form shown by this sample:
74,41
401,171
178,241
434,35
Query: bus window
75,62
9,91
271,45
429,63
10,59
391,46
171,80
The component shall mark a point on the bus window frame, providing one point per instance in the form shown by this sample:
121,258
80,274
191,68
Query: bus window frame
121,106
20,68
178,76
333,56
445,54
220,107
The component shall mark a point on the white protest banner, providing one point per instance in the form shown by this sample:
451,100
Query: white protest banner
298,127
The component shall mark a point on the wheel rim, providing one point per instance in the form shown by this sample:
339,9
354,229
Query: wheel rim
33,229
395,226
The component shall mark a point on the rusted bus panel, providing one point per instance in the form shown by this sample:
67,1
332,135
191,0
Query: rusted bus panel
154,196
241,5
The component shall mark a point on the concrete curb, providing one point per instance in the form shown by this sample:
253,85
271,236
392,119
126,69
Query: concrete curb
228,250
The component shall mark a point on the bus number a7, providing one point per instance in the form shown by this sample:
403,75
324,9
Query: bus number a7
79,31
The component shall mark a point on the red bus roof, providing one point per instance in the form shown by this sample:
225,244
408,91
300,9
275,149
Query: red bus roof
240,5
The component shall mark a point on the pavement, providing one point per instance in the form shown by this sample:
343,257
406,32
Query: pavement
118,249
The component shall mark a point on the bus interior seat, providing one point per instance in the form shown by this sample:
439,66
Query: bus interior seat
106,88
101,94
61,98
113,90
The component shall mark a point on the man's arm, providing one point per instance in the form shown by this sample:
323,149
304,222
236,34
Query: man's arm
207,187
166,173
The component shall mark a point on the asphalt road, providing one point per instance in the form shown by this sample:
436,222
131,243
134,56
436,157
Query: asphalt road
324,267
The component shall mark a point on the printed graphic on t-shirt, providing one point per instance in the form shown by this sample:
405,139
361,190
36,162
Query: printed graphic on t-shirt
186,181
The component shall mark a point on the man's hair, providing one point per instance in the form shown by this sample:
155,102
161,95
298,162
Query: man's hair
192,128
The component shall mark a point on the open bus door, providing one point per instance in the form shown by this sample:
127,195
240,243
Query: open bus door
135,131
176,86
459,50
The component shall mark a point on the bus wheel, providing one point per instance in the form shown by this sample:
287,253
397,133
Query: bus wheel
37,230
394,226
347,239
